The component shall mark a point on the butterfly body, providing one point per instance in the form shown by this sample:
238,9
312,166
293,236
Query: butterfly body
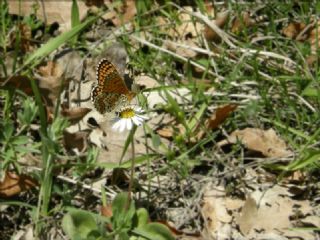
110,93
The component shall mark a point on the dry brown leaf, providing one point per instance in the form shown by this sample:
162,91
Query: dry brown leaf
248,216
188,28
170,131
297,176
24,41
313,221
50,80
312,60
293,29
242,22
13,184
182,51
233,204
314,38
97,3
265,141
106,211
214,211
216,119
145,82
275,211
220,21
209,8
220,115
54,11
166,132
74,115
127,13
119,177
17,82
77,140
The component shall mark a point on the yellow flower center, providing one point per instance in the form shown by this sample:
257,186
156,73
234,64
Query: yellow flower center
127,113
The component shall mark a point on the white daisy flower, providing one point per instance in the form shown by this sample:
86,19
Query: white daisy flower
127,117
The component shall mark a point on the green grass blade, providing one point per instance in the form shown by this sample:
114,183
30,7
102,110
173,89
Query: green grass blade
75,18
53,44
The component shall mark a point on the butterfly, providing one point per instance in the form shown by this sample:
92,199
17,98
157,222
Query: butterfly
110,93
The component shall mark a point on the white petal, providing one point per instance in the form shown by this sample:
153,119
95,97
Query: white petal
143,117
136,121
116,125
129,124
123,125
140,118
138,109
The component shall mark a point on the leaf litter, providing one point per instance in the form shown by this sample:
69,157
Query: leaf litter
259,209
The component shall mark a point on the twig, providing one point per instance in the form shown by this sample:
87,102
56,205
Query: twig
145,42
305,102
223,35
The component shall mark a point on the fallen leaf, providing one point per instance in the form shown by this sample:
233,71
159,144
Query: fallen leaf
233,203
126,14
314,38
265,141
24,41
77,140
74,115
289,234
17,82
145,82
180,49
311,221
106,211
216,119
166,132
97,3
214,211
248,216
220,21
209,8
50,80
27,233
51,11
293,29
313,60
188,27
13,184
220,115
172,130
242,22
119,177
269,210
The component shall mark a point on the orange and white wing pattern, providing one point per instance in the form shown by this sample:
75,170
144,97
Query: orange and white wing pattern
111,92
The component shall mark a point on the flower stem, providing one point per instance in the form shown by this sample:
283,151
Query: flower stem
132,168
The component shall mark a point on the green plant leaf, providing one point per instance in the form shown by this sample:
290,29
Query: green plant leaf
20,140
79,224
75,19
141,217
54,43
174,108
310,157
122,212
311,91
154,231
8,130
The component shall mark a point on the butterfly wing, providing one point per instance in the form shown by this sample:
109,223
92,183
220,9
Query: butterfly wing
109,78
111,91
105,102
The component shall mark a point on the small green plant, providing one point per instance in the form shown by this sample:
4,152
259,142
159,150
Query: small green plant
14,143
126,222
